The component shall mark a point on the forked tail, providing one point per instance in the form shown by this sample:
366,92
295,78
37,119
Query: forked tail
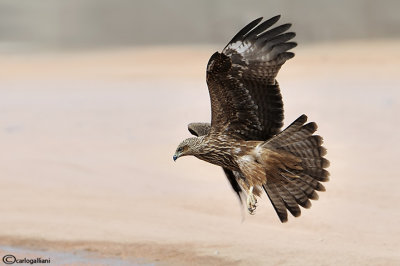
290,187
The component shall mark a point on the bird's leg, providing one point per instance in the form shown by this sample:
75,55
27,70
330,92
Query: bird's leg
251,201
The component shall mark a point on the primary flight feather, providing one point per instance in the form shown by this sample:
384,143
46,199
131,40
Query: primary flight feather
245,136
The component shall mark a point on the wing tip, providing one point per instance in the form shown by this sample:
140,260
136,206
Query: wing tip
292,45
255,22
283,57
274,19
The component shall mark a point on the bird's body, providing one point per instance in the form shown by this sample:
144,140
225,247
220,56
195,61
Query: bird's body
245,136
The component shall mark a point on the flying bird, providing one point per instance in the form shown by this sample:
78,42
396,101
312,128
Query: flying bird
245,136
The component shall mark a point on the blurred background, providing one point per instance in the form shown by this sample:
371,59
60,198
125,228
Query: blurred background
75,24
95,96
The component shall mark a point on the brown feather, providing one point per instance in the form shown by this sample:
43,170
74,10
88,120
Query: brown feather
244,136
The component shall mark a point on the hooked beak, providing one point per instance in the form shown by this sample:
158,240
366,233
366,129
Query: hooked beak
175,157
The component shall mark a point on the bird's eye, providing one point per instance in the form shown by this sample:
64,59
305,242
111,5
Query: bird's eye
180,149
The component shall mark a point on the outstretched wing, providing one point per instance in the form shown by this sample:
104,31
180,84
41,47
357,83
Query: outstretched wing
245,98
201,129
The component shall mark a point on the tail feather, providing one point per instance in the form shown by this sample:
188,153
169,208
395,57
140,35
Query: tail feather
307,189
277,202
294,185
298,194
309,148
313,183
280,139
288,199
317,173
299,183
303,133
315,162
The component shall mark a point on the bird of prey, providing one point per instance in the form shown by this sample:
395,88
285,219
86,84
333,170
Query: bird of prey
245,136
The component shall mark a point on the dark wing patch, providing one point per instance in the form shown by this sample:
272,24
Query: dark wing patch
245,97
235,185
269,109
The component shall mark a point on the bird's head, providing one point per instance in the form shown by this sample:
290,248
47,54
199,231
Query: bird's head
186,147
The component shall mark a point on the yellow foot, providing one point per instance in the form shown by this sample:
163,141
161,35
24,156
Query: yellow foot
251,201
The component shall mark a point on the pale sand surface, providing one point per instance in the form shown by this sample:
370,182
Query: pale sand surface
33,255
86,159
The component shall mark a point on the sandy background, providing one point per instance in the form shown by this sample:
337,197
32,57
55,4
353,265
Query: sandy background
86,158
